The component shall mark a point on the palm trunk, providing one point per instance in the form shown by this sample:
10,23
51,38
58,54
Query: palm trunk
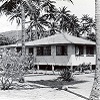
95,93
21,78
23,30
30,33
30,39
37,33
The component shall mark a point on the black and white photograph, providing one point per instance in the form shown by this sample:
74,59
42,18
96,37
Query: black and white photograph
49,49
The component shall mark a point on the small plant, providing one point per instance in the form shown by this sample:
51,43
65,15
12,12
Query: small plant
83,67
66,74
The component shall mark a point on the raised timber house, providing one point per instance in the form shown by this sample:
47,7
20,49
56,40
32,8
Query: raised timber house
59,51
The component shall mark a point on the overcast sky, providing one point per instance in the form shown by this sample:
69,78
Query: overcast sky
79,8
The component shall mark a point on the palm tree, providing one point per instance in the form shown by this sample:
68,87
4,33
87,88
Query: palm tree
23,28
8,7
74,27
18,9
54,28
87,24
38,22
95,93
92,36
50,10
63,18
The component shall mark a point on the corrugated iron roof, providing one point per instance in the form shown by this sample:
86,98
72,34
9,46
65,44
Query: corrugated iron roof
56,39
60,39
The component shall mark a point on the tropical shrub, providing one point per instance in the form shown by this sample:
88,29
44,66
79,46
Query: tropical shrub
83,67
14,67
66,74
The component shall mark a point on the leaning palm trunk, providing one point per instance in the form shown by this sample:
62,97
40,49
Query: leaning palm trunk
23,29
95,93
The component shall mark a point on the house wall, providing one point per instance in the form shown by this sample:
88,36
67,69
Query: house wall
53,59
70,60
76,60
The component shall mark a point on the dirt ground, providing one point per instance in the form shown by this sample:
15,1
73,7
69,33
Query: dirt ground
48,87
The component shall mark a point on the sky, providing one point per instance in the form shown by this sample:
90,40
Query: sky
79,8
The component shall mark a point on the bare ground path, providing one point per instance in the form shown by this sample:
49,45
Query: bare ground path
46,87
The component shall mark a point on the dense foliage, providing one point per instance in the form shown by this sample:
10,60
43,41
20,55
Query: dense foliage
4,40
13,66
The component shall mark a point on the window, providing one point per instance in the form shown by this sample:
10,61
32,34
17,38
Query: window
61,50
31,51
89,50
39,51
46,50
19,49
79,50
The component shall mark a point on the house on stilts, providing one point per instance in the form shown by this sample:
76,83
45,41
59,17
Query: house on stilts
59,51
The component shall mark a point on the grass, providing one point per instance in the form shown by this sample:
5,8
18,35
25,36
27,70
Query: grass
42,87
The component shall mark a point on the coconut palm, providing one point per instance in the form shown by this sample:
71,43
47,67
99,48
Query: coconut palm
92,36
73,25
19,9
54,28
84,29
85,18
48,5
50,9
51,14
38,22
95,93
87,24
63,18
8,7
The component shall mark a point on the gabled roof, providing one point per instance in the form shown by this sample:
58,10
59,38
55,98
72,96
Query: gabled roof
57,39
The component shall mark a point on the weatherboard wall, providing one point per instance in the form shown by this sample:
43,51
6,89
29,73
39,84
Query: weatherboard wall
69,60
53,59
76,60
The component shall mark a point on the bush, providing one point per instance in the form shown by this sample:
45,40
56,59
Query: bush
66,75
14,67
83,67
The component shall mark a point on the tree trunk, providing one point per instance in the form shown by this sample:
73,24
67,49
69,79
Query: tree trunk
30,33
23,29
95,93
